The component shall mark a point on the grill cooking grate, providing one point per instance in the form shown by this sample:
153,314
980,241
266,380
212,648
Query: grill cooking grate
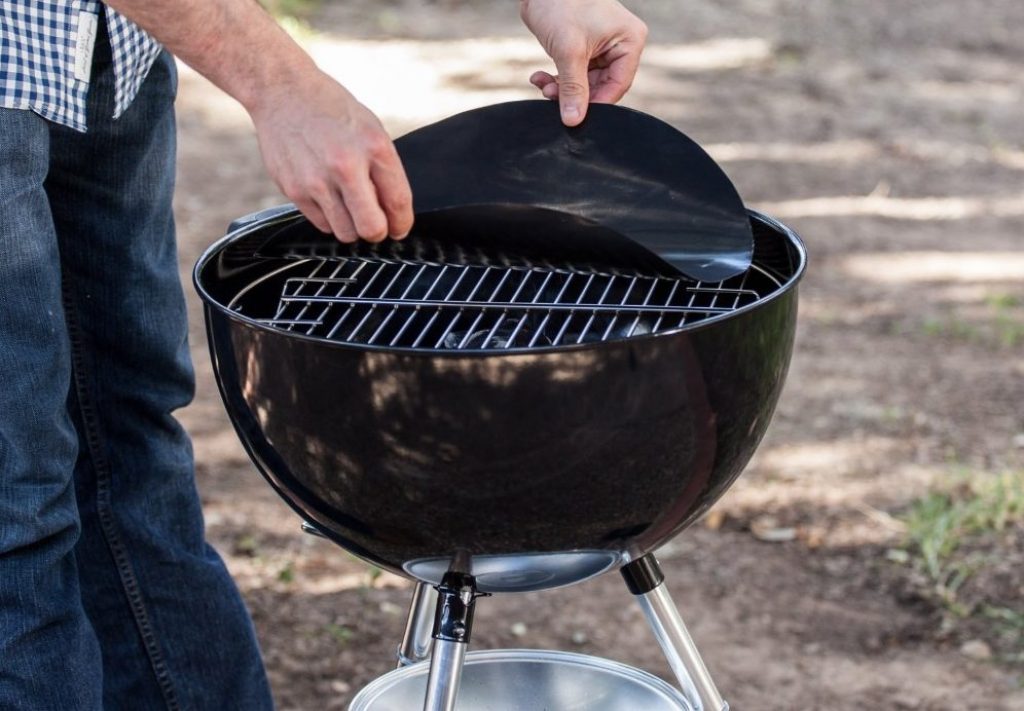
373,298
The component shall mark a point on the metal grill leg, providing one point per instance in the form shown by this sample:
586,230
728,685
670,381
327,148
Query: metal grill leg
646,581
453,622
445,675
417,641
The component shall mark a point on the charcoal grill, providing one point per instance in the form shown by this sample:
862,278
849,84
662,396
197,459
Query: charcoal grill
510,399
567,362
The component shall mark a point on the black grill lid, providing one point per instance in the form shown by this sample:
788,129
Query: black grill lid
621,169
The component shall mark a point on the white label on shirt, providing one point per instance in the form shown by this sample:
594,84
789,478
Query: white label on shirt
87,25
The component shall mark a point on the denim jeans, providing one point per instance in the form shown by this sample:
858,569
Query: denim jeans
110,596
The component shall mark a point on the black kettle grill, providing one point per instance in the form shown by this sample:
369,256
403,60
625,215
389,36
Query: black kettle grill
515,397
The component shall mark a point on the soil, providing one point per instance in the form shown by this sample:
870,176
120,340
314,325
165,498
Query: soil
888,135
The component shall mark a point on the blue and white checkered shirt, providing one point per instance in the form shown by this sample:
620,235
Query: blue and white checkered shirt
46,55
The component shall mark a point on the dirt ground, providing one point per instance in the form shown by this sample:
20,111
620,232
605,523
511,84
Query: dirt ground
890,135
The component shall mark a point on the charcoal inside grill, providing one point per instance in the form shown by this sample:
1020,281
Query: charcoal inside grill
433,293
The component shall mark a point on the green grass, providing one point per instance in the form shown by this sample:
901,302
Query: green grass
961,541
1003,302
951,326
1009,625
1002,325
340,633
287,574
942,523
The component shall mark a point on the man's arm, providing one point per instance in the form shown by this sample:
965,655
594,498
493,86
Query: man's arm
327,152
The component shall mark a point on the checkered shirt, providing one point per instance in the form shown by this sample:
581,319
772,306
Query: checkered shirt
38,49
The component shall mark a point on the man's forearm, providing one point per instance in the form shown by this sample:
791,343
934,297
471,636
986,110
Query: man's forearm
233,43
327,152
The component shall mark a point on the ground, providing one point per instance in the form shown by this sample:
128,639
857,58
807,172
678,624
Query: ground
890,136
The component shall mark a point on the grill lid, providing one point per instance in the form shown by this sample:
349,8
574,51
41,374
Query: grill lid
620,168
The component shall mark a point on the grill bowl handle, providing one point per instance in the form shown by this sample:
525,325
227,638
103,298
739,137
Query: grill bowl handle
260,216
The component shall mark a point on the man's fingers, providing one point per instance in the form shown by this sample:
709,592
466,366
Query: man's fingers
614,81
608,89
581,35
314,214
547,84
395,196
342,226
333,207
361,203
541,79
573,85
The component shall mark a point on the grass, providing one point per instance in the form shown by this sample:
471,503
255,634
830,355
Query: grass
962,540
1003,302
287,574
1002,323
340,633
1009,625
941,524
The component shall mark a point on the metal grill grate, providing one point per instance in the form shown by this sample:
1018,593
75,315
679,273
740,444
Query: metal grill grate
378,299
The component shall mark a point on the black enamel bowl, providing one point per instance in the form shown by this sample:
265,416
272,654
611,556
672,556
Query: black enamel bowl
528,467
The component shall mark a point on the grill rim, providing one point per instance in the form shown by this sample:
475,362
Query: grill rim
282,214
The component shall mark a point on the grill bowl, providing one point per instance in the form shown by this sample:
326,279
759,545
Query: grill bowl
532,467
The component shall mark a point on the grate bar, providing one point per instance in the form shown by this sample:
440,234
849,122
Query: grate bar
391,314
287,322
595,310
647,300
344,317
426,329
504,314
547,317
322,280
528,306
515,331
451,325
632,285
447,299
298,320
661,316
394,279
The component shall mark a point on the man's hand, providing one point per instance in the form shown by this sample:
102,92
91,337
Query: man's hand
330,155
327,152
596,45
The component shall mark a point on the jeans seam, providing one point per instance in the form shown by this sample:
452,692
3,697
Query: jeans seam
104,508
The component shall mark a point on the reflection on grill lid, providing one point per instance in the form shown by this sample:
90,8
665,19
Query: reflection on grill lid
480,284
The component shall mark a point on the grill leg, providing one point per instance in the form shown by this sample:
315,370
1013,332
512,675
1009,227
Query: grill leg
647,583
453,622
417,641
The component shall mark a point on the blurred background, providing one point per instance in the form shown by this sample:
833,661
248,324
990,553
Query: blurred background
872,555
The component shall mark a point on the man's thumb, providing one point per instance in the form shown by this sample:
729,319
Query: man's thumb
573,89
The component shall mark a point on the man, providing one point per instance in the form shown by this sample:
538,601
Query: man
109,595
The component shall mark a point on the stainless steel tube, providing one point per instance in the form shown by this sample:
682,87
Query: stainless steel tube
417,640
679,649
445,675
